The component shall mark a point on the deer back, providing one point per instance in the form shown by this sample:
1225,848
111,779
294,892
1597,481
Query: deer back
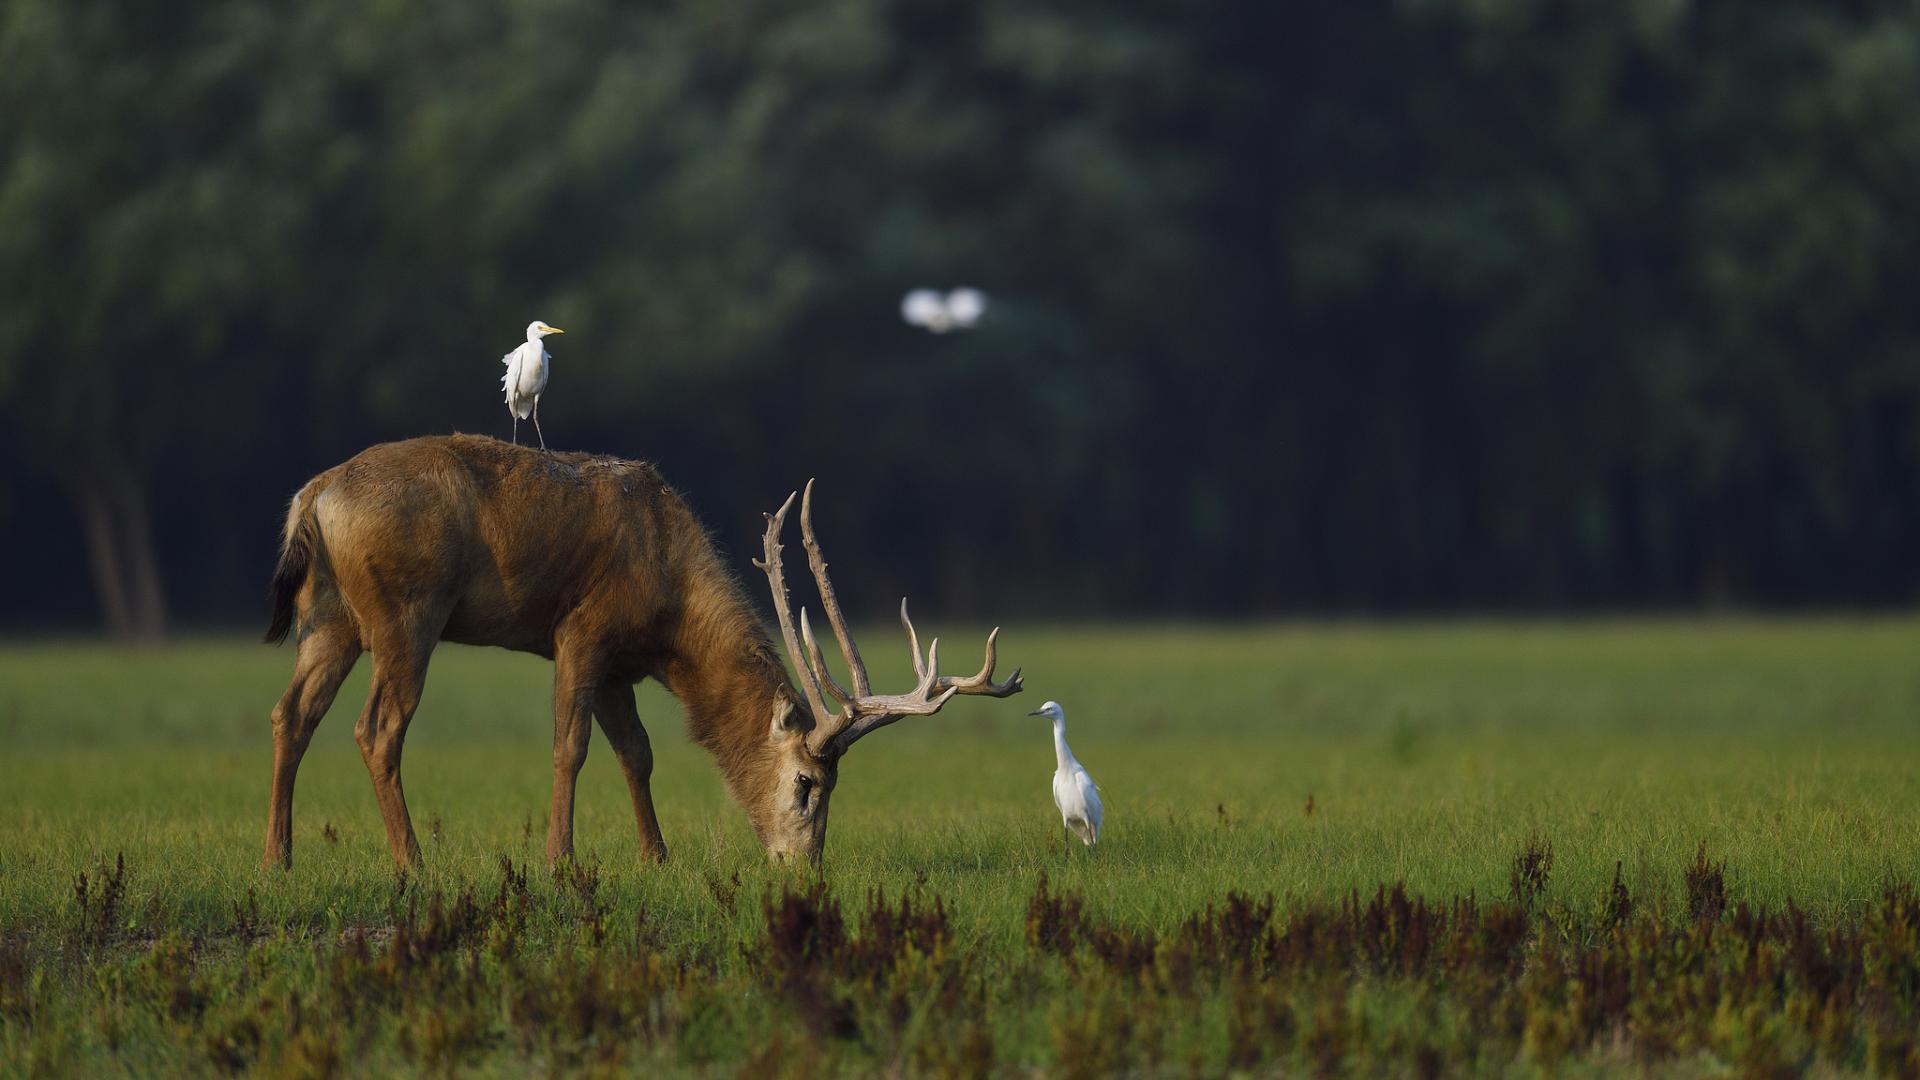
514,545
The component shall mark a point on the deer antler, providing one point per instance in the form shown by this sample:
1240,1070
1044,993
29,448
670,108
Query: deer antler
861,710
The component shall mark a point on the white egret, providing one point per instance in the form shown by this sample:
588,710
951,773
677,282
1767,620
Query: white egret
1074,792
965,306
924,307
526,378
957,310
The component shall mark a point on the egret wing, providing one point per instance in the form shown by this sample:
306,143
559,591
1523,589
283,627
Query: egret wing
922,307
1079,807
534,380
965,306
1090,795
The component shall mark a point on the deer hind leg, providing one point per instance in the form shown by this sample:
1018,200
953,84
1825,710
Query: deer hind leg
326,655
620,721
398,676
576,682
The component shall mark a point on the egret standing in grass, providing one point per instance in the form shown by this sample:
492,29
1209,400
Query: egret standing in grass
526,378
1074,792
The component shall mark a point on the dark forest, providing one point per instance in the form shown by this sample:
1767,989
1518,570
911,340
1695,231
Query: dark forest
1364,307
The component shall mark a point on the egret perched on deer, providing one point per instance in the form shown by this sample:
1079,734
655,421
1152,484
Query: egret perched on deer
1074,792
526,378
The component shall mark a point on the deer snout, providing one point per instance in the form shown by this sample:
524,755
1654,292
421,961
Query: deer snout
808,854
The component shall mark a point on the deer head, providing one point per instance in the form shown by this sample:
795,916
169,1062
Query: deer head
807,748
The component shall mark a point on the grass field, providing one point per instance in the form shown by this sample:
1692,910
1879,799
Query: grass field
1779,759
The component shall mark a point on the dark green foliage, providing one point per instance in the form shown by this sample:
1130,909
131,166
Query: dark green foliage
16,974
1394,982
1055,923
1354,305
1531,868
1706,888
899,965
1618,905
96,905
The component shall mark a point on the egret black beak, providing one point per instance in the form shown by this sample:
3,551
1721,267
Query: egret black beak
1038,712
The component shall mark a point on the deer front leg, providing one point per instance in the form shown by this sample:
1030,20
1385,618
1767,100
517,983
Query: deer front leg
620,721
575,687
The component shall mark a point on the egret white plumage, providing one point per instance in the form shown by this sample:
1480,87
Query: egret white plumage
526,378
957,310
1074,792
965,306
924,307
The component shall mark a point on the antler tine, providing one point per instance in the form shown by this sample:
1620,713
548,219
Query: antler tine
863,710
893,706
983,683
819,661
915,702
828,600
913,641
782,610
877,711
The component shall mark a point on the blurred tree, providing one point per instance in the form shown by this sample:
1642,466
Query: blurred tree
142,225
1378,305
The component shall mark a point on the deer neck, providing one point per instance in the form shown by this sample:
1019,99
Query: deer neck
729,680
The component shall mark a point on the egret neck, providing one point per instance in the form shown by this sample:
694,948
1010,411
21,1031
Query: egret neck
1063,757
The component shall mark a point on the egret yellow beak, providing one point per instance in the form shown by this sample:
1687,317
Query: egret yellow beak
555,330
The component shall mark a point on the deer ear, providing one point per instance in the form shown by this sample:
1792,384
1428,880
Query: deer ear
787,720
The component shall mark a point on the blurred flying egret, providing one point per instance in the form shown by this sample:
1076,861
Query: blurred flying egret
957,310
526,377
1074,792
965,306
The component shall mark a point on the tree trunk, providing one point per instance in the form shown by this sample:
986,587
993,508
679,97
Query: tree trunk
148,591
121,557
103,559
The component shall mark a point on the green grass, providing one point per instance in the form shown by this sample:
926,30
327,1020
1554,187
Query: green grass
1430,753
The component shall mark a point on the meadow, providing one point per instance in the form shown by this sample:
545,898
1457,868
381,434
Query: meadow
1479,846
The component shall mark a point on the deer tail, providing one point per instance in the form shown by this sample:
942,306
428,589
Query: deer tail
296,559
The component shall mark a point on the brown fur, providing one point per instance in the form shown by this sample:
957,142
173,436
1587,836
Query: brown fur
589,561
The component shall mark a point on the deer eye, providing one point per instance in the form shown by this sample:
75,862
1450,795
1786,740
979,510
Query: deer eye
806,789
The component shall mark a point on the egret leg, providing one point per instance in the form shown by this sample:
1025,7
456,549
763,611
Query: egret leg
536,424
516,426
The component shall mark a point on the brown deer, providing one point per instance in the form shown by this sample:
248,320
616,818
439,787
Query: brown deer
597,565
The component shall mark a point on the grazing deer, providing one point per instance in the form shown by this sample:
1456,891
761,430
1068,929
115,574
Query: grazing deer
597,565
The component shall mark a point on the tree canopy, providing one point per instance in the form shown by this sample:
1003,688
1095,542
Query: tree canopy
1375,306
